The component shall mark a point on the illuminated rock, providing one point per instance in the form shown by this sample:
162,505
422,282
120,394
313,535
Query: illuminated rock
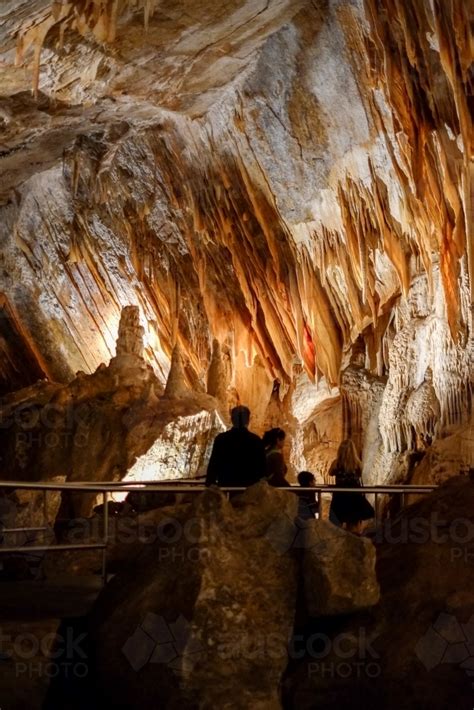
107,426
290,181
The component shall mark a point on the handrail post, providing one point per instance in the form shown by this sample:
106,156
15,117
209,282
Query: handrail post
376,509
45,515
105,535
320,504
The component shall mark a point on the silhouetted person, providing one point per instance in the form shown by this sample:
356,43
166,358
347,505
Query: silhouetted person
238,456
276,468
349,510
307,503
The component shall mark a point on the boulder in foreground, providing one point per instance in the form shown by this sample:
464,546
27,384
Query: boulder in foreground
338,570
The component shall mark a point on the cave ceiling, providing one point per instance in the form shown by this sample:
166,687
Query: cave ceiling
273,174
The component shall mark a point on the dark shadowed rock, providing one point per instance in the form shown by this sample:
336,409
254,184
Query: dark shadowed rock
203,619
415,648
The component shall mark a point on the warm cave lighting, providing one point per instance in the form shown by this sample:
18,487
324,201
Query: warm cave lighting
236,278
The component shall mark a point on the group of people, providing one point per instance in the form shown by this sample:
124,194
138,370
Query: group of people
240,458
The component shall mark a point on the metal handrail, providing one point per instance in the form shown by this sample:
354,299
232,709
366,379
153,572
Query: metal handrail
107,487
185,486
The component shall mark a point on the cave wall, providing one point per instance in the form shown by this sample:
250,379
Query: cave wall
424,398
286,179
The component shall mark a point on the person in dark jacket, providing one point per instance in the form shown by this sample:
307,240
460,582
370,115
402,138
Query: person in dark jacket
349,510
238,455
276,468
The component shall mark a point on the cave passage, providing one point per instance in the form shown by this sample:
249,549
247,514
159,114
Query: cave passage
254,206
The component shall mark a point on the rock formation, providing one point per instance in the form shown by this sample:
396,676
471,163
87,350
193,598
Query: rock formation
259,202
281,195
269,183
415,647
110,425
338,570
176,382
197,610
204,618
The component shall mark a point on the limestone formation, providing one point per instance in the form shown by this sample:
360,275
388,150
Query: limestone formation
176,382
270,202
281,190
423,412
338,570
130,333
206,617
217,377
413,649
109,425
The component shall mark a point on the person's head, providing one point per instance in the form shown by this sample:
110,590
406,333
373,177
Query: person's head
274,438
240,417
348,459
306,479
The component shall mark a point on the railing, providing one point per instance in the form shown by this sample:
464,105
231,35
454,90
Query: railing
180,486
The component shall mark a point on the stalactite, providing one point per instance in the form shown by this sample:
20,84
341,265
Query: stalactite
201,234
361,393
96,17
422,124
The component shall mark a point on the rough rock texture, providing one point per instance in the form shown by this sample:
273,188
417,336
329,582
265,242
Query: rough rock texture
414,649
319,425
224,593
289,179
338,571
447,456
203,614
107,425
423,400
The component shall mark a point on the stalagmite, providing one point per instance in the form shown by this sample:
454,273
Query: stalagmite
217,377
301,191
265,203
130,333
176,382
